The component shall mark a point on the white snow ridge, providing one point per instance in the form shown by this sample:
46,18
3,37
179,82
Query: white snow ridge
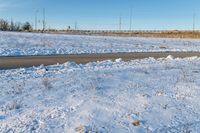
13,43
141,96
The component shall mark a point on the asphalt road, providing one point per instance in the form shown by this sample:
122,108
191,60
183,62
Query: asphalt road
29,61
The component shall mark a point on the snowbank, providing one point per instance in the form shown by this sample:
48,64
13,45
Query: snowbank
139,96
12,44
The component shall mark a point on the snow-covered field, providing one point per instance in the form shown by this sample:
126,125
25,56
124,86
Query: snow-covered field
108,97
42,44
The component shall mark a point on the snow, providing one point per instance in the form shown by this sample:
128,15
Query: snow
13,43
170,57
162,95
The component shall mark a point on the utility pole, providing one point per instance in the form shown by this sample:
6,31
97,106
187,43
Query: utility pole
131,17
36,12
44,21
11,25
75,25
120,23
194,19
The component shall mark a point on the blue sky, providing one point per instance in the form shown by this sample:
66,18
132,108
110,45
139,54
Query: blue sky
104,14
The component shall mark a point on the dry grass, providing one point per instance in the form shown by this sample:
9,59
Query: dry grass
156,34
136,123
163,47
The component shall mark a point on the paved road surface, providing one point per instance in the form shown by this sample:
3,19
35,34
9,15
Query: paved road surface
29,61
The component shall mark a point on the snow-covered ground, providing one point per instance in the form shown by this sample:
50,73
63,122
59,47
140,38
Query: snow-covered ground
42,44
109,97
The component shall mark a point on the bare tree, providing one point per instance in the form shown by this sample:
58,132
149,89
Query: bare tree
12,26
18,26
27,27
4,25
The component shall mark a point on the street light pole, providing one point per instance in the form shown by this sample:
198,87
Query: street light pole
131,17
36,19
194,19
44,19
120,22
75,25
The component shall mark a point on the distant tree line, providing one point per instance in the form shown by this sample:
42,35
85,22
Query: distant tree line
14,26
